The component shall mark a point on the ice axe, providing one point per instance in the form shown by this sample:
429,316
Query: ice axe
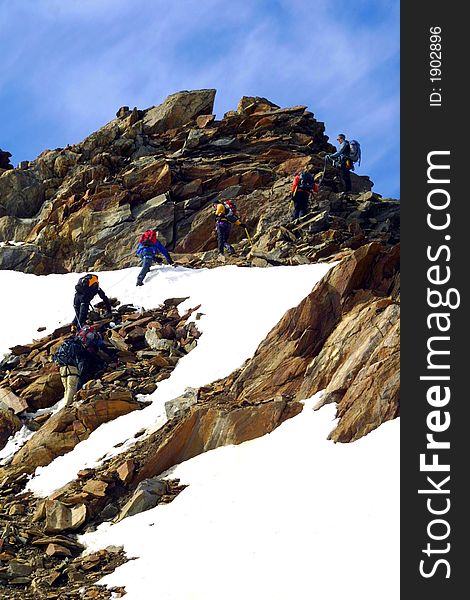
248,236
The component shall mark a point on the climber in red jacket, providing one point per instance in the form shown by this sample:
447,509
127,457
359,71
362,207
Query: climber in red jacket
302,186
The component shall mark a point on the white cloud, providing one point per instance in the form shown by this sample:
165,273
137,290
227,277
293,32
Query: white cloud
80,61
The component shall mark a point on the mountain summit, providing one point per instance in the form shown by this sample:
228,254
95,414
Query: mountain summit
82,207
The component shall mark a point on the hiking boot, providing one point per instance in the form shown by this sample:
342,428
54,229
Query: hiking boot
139,283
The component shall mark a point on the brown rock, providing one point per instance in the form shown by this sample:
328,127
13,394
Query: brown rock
11,400
253,180
193,188
254,104
9,424
19,568
125,471
146,496
57,550
360,362
179,109
17,509
295,164
117,341
343,336
64,430
159,361
44,392
206,428
149,178
204,120
60,517
96,488
123,112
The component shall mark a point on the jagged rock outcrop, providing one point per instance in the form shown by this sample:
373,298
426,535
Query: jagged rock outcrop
21,193
178,109
83,206
27,258
9,423
64,430
5,160
204,428
343,337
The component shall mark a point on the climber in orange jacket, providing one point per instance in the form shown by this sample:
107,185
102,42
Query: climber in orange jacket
302,186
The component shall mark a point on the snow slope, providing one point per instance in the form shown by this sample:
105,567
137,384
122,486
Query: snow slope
240,306
287,516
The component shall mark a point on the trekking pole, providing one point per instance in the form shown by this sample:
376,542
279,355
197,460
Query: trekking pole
78,321
248,236
291,203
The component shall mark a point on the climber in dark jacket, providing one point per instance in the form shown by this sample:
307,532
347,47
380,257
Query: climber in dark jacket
339,159
85,290
79,360
147,251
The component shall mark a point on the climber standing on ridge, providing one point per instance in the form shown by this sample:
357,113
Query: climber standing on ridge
85,290
302,186
147,250
340,160
225,212
78,360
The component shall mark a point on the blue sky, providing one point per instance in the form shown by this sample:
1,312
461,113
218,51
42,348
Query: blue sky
68,65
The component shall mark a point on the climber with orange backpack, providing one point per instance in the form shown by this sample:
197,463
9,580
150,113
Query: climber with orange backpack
85,290
147,250
226,215
302,186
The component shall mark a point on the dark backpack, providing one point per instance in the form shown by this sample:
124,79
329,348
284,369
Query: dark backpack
306,181
68,352
88,284
89,337
149,238
231,212
355,151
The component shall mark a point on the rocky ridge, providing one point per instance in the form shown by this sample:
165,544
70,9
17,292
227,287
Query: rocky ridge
163,167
